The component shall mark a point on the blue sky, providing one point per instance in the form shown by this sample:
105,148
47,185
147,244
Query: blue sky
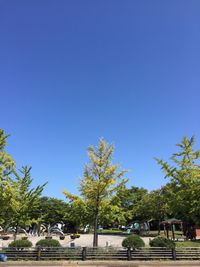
74,71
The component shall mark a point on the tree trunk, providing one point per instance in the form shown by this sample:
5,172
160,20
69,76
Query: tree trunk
96,217
95,237
159,227
38,226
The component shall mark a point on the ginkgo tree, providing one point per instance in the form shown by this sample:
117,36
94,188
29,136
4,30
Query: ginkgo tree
7,164
17,197
24,199
101,181
182,191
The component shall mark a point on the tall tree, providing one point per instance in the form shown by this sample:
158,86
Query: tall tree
51,210
101,180
132,200
24,199
7,164
184,186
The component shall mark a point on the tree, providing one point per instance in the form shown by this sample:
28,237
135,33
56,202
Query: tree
100,182
51,210
24,199
131,200
7,164
78,215
184,186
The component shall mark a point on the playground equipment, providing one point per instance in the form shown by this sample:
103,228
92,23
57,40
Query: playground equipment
56,229
14,230
138,227
36,229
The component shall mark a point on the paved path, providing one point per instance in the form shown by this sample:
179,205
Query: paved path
85,240
101,264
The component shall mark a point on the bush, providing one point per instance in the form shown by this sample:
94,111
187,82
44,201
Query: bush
20,244
162,242
133,241
48,243
48,237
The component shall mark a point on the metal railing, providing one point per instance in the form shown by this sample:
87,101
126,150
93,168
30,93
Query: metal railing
105,253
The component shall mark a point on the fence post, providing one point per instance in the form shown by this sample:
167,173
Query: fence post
129,254
84,254
38,253
173,254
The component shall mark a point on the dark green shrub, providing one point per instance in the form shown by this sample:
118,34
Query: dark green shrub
48,243
20,244
48,237
133,241
162,242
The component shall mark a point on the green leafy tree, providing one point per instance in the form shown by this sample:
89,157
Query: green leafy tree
78,212
184,186
131,200
24,199
102,179
50,210
7,164
154,206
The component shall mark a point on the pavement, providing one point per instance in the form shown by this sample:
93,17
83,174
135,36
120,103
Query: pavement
102,264
85,240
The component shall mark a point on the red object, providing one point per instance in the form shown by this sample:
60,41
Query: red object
197,230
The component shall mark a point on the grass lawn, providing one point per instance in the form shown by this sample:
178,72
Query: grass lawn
195,243
110,231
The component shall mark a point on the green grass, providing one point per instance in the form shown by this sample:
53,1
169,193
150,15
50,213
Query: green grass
110,231
195,243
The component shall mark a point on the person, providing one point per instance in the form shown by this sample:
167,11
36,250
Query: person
3,257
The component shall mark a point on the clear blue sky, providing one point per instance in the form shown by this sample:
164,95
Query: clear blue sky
73,71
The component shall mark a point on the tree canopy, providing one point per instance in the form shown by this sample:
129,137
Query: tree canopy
183,189
104,198
100,182
17,197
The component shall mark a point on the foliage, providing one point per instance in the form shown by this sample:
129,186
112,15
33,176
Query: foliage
132,201
133,241
78,212
7,164
20,244
51,210
182,191
17,198
24,198
145,209
46,243
100,183
162,242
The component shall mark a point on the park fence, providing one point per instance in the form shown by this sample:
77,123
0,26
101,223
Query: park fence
106,253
